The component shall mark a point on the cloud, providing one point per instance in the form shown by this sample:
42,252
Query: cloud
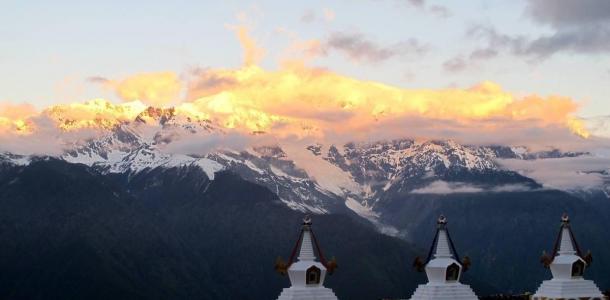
252,53
17,111
417,3
156,89
561,13
359,48
440,11
98,79
455,64
481,54
205,143
310,16
589,39
570,173
62,126
46,139
300,102
434,9
599,126
460,63
440,187
510,188
15,117
579,27
92,114
205,82
297,100
443,188
329,14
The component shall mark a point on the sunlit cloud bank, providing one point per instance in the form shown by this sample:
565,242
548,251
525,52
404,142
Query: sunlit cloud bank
297,101
155,89
303,102
14,117
307,101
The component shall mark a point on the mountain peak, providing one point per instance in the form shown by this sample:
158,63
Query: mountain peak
156,115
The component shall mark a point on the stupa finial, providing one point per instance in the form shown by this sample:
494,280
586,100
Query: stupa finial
565,219
307,220
442,221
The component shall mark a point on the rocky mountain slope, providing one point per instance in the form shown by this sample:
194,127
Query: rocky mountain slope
67,231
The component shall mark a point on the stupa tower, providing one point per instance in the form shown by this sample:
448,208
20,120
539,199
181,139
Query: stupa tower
306,274
567,265
443,270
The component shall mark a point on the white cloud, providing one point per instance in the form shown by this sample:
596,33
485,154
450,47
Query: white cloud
599,126
570,173
441,187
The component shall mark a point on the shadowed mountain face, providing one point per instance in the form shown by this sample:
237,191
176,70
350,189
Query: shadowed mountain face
69,232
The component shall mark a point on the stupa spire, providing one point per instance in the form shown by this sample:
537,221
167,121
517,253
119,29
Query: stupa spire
567,266
306,252
566,245
443,249
306,273
443,270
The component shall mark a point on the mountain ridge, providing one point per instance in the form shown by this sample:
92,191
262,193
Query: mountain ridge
310,177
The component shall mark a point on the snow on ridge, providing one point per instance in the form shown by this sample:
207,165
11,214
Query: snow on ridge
14,159
519,151
305,177
328,176
209,166
360,209
303,207
139,159
373,217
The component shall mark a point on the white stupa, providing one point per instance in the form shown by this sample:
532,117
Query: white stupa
443,271
567,266
306,274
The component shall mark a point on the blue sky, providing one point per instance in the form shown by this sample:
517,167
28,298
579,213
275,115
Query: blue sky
48,49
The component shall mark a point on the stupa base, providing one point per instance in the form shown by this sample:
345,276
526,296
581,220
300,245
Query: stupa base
568,289
307,293
448,291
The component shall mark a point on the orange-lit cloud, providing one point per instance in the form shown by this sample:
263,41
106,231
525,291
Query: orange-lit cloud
95,114
156,89
252,54
296,101
14,117
293,97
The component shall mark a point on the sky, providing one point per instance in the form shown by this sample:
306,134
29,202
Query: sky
49,48
539,63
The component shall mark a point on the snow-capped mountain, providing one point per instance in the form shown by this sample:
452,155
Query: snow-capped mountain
314,177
